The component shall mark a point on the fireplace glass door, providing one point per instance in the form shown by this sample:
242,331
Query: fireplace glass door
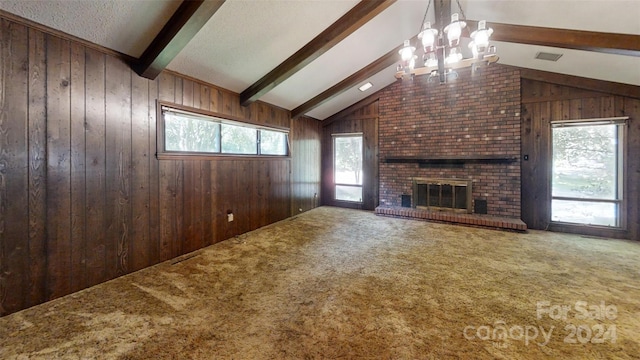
442,194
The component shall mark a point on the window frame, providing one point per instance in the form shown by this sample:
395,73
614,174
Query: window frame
620,200
335,184
163,154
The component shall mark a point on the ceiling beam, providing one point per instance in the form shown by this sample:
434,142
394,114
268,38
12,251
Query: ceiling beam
184,24
611,43
375,67
351,21
574,39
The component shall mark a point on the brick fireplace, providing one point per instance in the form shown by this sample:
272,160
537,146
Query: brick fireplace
467,130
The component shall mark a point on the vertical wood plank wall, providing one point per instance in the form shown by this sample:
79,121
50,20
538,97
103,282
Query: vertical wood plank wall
305,189
363,120
83,199
543,102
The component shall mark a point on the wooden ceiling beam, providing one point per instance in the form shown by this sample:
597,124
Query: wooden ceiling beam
183,25
442,7
621,44
611,43
375,67
351,21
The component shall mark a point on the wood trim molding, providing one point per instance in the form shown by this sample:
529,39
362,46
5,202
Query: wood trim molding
589,230
214,114
351,21
612,43
607,87
216,156
183,25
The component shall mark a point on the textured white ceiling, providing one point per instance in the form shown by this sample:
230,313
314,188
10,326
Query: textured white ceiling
353,95
608,67
246,39
127,26
371,41
616,16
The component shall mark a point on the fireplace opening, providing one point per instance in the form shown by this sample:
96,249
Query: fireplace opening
442,194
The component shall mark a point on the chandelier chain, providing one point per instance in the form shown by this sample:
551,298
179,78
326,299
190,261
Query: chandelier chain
424,18
461,11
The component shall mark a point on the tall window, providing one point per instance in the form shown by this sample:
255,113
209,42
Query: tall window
587,179
347,167
193,133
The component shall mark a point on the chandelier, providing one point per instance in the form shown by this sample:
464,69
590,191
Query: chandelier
441,48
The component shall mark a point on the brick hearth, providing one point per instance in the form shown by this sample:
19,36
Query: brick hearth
495,222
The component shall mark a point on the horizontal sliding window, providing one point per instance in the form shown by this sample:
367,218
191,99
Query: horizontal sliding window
273,142
239,140
183,132
186,133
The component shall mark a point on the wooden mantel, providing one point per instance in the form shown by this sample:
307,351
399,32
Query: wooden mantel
451,160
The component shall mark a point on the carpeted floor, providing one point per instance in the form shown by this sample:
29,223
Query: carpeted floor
337,283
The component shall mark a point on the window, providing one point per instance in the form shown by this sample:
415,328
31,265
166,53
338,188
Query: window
587,172
238,139
190,133
273,143
347,167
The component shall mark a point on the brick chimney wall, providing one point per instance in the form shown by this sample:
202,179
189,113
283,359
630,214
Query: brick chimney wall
472,115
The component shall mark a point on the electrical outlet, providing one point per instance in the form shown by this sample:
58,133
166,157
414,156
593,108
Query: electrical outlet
230,217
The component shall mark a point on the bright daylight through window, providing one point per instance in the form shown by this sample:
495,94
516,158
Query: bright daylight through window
187,133
347,164
588,172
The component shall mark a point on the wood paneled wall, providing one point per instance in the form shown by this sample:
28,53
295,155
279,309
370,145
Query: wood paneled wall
83,199
305,149
543,102
362,120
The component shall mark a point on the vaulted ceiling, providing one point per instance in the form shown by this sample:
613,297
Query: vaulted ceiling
311,56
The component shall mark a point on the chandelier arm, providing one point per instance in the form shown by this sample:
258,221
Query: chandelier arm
441,57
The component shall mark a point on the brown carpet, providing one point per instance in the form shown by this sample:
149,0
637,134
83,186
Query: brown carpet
337,283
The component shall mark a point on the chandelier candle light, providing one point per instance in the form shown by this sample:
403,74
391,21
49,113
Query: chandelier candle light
441,58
